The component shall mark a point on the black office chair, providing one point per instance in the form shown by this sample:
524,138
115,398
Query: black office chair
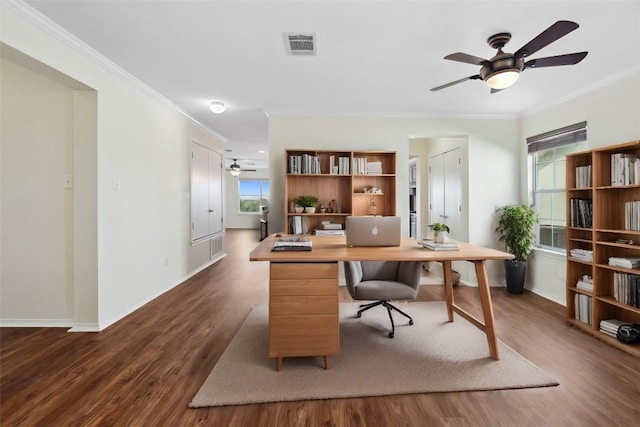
383,281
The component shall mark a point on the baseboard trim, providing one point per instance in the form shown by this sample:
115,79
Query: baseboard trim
36,323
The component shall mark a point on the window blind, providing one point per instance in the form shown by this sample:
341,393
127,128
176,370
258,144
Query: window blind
556,138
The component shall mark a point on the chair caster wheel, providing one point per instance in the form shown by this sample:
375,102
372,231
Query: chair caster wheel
358,314
391,334
411,322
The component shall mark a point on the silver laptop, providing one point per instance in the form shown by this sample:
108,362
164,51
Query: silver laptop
372,230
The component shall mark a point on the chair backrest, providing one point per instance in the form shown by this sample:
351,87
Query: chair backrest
407,272
380,270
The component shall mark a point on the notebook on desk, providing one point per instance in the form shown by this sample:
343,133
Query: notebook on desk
372,230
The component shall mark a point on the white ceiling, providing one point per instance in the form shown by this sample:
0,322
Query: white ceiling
374,58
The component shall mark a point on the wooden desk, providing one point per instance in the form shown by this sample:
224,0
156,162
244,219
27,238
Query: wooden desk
303,300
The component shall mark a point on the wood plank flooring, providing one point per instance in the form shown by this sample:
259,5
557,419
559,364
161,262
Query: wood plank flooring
144,370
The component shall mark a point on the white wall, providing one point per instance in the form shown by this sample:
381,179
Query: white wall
143,239
494,151
612,113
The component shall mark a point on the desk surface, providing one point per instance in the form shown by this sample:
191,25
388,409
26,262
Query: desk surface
334,248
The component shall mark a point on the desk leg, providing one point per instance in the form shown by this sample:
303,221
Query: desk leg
448,286
278,364
487,308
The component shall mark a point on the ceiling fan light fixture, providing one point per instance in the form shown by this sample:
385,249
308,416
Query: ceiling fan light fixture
234,168
217,107
503,78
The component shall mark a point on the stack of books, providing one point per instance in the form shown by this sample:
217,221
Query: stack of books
610,327
430,244
292,244
624,262
626,288
581,254
330,228
586,283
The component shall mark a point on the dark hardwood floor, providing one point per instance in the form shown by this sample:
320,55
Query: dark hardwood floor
144,370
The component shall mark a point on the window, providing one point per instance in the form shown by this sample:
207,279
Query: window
547,155
253,195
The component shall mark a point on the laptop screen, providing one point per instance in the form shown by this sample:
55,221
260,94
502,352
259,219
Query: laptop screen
372,230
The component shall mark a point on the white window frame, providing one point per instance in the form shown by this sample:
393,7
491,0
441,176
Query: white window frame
575,135
260,196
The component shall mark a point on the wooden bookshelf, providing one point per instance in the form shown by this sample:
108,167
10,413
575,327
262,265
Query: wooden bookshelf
610,222
340,189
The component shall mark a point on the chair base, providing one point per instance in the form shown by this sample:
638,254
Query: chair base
389,307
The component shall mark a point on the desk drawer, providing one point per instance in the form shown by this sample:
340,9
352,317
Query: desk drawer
311,335
285,305
304,270
304,287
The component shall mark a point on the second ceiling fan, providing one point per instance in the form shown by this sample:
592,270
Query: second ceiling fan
502,70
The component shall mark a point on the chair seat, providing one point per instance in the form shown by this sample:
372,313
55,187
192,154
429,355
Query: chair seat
383,290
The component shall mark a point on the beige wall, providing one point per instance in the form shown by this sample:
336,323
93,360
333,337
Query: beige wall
612,113
142,242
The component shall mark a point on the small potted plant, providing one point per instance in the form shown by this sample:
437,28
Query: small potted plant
439,230
516,230
309,203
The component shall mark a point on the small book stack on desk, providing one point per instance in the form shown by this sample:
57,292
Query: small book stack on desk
430,244
292,244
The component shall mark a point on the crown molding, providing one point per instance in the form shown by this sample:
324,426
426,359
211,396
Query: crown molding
36,18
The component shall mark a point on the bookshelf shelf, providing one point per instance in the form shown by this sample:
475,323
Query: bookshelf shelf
598,214
337,178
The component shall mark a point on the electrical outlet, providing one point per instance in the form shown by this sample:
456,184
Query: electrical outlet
68,181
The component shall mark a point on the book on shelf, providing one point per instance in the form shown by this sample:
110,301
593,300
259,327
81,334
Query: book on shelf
610,326
632,215
583,176
429,244
298,224
626,288
331,226
292,244
581,213
582,306
625,169
624,262
586,283
581,254
329,232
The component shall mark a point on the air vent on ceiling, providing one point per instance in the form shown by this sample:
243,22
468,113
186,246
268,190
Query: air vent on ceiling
300,44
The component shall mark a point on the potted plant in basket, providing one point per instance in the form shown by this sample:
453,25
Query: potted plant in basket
439,230
515,230
309,203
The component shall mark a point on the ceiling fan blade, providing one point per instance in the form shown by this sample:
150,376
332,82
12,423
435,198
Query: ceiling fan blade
553,61
476,77
548,36
495,90
466,58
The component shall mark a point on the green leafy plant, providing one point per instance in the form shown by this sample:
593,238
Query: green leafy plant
438,227
306,201
515,229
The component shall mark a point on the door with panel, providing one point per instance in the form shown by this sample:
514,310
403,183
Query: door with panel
445,190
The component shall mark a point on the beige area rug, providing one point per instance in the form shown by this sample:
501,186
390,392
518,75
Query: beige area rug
433,355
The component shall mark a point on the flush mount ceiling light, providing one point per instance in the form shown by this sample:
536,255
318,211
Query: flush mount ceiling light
217,107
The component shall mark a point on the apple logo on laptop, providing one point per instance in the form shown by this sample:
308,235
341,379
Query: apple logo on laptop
374,230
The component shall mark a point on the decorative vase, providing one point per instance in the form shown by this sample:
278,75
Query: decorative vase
310,209
299,209
438,236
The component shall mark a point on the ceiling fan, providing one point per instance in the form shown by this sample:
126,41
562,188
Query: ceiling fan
503,69
235,169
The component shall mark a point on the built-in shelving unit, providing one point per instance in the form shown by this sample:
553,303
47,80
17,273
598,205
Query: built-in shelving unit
602,224
342,181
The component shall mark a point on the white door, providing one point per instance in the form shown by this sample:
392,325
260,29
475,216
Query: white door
206,192
445,191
